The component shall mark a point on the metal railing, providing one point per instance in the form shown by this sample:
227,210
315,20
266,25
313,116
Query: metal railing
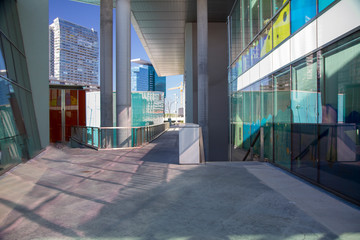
116,137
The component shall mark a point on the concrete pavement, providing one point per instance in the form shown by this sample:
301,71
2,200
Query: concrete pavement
143,194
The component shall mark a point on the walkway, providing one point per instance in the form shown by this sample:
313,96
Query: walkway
144,194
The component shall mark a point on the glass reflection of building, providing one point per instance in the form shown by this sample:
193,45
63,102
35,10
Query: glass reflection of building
19,135
289,77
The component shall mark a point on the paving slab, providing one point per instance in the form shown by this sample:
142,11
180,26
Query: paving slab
143,193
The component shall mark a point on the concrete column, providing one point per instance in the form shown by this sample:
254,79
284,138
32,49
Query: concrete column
106,62
202,53
123,67
188,77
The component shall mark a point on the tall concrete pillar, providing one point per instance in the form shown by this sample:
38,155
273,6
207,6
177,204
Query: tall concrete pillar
188,74
202,58
106,62
123,68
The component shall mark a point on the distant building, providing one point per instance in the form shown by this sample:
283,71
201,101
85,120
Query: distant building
149,81
139,78
74,53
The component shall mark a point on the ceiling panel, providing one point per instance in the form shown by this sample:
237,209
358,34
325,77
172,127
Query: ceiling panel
160,25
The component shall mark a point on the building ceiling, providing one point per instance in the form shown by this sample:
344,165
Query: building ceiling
160,26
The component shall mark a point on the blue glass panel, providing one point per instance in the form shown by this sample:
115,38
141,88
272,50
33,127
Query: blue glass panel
301,12
324,3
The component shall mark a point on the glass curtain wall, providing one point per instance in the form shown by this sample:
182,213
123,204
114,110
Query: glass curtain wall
304,107
19,137
259,26
339,119
310,112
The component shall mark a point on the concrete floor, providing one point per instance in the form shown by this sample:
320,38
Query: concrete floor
144,194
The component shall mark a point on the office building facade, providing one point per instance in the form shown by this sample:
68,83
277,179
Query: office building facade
139,78
156,83
145,78
74,53
294,74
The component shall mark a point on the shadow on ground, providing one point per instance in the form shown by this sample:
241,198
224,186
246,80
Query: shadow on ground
144,194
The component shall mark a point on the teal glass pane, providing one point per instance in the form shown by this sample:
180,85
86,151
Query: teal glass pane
277,4
324,4
3,25
3,70
246,113
301,12
12,130
265,12
246,27
254,18
266,117
22,76
9,61
255,117
282,119
236,43
147,108
304,96
340,117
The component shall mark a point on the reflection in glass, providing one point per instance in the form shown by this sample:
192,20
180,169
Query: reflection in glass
254,16
304,97
255,116
3,71
8,56
301,12
340,117
265,40
277,4
12,130
246,28
265,12
281,26
266,115
282,119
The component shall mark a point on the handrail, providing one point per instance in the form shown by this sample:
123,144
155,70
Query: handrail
116,137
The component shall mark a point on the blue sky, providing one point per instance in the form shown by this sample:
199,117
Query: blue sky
89,16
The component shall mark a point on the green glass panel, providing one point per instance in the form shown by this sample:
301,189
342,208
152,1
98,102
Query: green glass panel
267,113
255,117
340,117
304,96
277,4
12,131
9,61
282,119
254,18
265,12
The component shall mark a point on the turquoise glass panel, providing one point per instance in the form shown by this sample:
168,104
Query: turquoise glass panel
324,4
301,12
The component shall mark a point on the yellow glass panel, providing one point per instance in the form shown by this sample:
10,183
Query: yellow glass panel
281,27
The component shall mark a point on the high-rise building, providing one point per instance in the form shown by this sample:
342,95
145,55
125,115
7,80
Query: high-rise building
139,78
156,83
74,53
145,78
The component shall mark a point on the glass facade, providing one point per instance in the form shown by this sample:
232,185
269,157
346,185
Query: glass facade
258,26
19,136
309,109
147,108
310,112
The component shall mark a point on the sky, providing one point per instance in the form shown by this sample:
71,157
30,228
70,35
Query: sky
89,16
